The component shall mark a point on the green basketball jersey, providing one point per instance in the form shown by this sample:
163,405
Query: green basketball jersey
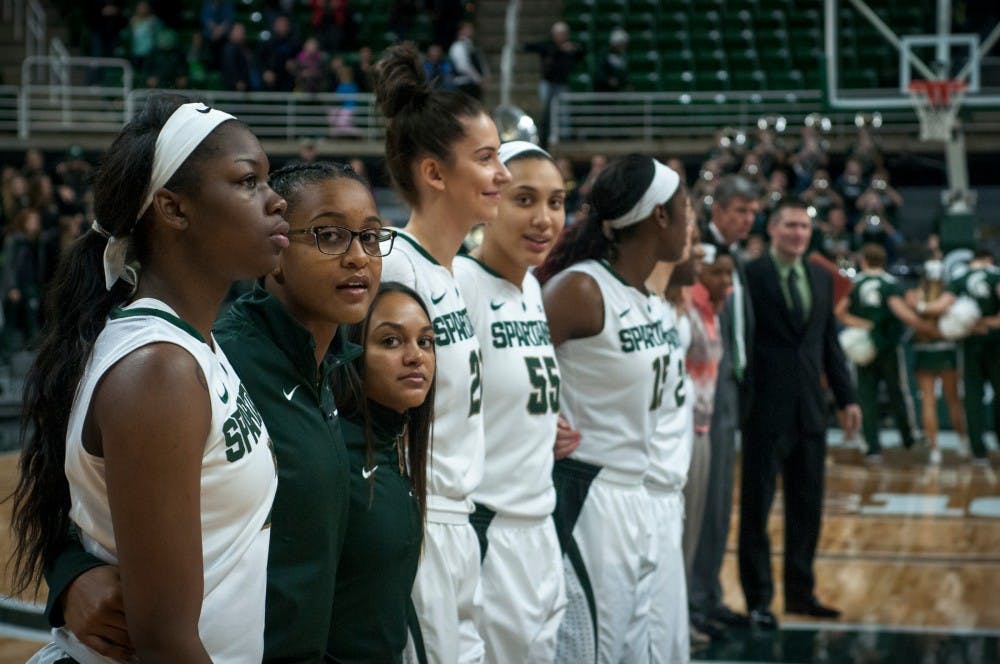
870,300
981,284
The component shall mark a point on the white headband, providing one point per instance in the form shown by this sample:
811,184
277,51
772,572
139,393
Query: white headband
183,131
512,149
664,184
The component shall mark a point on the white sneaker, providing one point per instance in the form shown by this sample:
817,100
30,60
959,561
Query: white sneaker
935,457
963,447
873,459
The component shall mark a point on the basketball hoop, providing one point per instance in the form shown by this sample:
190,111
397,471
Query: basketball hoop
937,104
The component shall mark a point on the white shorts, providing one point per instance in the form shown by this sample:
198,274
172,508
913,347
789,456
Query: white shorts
523,591
446,592
615,535
668,616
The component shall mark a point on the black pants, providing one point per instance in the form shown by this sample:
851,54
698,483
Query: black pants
799,458
888,367
704,590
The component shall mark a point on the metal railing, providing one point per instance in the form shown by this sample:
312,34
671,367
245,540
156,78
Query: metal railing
13,13
509,47
10,96
34,28
52,100
57,95
292,115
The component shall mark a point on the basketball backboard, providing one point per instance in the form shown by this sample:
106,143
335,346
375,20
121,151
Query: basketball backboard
876,48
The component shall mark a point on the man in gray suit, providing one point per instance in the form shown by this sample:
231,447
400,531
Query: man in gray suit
734,207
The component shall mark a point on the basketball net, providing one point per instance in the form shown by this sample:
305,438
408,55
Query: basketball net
937,104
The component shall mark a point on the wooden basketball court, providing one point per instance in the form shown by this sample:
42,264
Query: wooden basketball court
905,549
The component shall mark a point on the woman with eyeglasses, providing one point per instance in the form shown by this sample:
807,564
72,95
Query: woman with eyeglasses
284,340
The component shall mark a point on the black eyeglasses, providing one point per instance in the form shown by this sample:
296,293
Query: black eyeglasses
336,240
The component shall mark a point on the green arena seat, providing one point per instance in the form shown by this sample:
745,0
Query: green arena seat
580,82
675,81
645,82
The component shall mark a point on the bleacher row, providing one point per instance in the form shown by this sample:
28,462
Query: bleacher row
706,45
372,18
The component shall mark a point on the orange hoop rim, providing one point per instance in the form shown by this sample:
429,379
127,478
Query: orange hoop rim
938,93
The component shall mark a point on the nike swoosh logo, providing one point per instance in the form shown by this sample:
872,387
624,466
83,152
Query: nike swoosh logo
289,395
435,300
494,307
624,313
366,473
207,109
224,397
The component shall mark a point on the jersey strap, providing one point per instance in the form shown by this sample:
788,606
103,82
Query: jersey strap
118,312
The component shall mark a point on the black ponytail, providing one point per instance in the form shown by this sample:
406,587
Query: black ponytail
616,190
77,307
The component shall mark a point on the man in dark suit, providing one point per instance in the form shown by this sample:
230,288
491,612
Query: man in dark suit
734,207
785,431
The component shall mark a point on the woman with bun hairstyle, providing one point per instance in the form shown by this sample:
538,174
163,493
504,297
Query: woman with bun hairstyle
522,580
611,345
138,432
441,151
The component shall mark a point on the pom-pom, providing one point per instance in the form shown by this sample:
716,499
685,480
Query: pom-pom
958,321
857,345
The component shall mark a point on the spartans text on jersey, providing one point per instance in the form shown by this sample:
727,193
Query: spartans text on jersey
243,428
453,327
649,335
514,333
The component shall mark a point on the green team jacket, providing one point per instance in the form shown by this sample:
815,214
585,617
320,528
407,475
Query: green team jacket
982,284
869,299
274,357
381,550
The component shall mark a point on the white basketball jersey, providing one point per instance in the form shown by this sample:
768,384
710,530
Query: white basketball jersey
612,382
456,462
520,390
670,452
238,481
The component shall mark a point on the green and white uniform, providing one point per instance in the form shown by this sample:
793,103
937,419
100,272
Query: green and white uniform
522,581
238,483
446,593
670,457
275,356
980,355
612,390
870,300
381,549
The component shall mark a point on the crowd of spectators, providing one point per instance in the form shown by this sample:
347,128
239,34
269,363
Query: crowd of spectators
850,206
45,201
288,46
43,210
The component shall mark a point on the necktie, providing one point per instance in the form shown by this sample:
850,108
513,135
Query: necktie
738,328
798,312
